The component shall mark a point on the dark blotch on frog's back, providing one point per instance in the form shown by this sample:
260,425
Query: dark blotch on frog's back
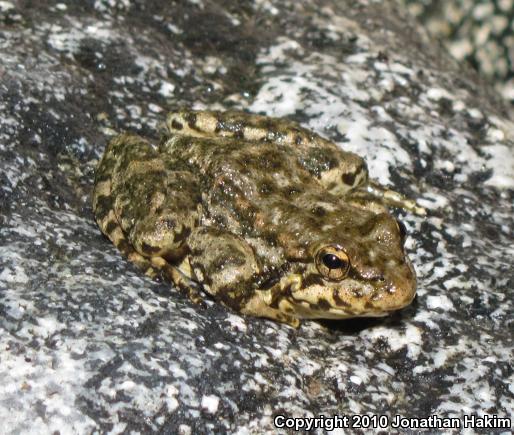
111,226
348,178
176,125
149,249
318,211
183,234
273,162
262,160
103,207
293,190
319,160
236,128
266,187
191,118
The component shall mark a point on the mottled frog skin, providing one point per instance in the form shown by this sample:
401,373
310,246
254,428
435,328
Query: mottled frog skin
269,218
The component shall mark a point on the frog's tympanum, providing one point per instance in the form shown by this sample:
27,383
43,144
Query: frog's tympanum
269,218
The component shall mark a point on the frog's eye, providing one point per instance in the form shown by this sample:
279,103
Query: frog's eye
332,263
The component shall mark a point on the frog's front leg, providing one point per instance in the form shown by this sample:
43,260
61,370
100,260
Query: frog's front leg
276,301
226,266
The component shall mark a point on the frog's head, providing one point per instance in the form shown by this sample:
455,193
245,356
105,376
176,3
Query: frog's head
355,271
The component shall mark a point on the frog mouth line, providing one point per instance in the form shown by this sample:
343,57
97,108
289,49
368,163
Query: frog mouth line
326,308
340,301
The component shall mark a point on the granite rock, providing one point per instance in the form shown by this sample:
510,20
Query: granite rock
480,32
89,345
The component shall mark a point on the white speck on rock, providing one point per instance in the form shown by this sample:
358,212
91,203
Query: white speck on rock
127,385
456,282
210,403
154,108
184,429
440,301
167,89
356,380
495,134
236,322
502,165
17,275
5,6
438,93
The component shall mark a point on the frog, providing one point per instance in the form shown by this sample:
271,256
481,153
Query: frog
258,213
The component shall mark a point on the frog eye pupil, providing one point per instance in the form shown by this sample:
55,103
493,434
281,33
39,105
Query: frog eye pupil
332,261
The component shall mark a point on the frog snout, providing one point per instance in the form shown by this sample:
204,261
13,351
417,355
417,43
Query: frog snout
396,290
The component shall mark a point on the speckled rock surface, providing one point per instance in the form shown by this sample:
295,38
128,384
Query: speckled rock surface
478,31
89,344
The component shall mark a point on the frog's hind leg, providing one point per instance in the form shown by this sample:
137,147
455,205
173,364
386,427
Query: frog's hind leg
103,207
105,217
241,125
179,279
153,267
